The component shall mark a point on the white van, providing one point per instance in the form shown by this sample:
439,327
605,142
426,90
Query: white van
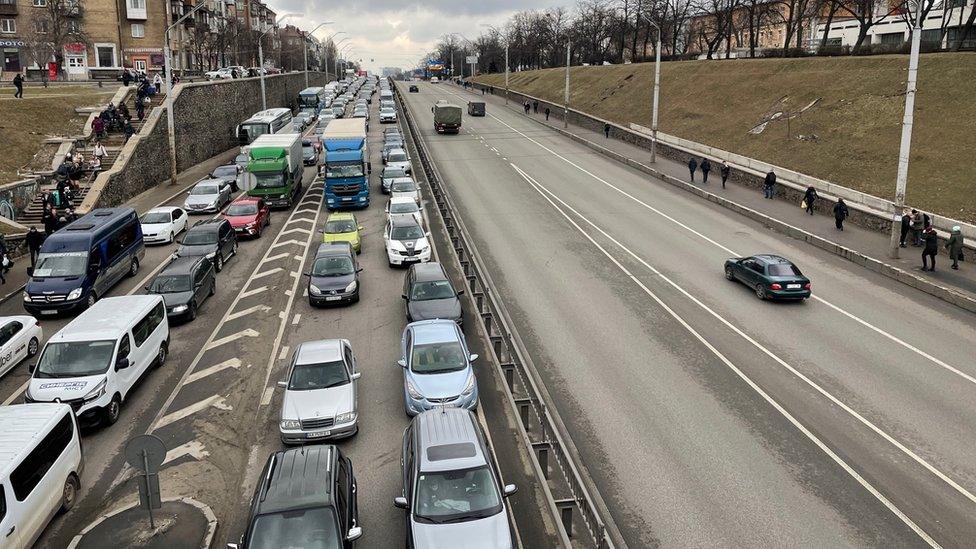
40,468
94,361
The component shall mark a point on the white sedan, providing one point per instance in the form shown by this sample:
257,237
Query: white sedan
163,224
404,206
405,187
406,242
20,338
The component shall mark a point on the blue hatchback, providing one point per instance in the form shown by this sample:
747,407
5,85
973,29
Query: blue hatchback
437,368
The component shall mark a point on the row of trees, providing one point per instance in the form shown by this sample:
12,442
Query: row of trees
624,30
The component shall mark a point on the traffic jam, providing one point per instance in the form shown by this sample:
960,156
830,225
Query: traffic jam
82,376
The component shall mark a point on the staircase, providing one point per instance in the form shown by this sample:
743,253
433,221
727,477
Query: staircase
32,214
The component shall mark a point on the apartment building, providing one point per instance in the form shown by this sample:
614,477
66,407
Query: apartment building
942,26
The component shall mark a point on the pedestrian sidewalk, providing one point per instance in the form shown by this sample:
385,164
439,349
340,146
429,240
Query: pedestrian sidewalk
163,192
183,523
873,245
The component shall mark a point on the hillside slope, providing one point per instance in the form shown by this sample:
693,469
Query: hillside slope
850,136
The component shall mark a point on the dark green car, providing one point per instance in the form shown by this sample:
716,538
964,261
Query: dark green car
771,276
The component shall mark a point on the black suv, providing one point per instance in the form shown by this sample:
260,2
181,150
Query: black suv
185,284
213,238
306,497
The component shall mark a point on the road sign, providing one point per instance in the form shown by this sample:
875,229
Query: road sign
155,453
471,59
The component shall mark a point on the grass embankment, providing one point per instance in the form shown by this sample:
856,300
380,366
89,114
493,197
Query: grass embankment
851,136
42,113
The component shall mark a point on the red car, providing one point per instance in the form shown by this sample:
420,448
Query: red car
248,215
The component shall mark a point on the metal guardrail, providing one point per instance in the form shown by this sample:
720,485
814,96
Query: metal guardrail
542,431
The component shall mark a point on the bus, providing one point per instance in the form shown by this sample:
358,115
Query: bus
271,121
311,98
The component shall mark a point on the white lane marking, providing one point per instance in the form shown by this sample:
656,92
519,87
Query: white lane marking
297,230
245,312
20,390
193,448
297,319
229,363
732,252
215,401
255,291
297,257
267,396
275,257
285,242
283,353
267,273
298,219
294,274
303,210
773,402
233,337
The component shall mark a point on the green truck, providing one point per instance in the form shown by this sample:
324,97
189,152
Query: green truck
275,169
447,117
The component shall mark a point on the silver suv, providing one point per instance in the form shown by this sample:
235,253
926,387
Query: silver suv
451,486
320,393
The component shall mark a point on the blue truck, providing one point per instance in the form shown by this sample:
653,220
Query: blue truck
345,161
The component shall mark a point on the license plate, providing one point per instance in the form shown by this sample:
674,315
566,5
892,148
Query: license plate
49,312
333,298
792,286
347,199
318,434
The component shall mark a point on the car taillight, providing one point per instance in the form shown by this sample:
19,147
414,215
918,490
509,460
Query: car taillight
806,286
775,286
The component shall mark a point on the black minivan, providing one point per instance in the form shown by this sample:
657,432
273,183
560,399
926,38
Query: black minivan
306,497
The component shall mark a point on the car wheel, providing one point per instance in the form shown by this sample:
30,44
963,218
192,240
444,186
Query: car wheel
234,249
92,298
267,221
134,267
192,315
69,494
112,412
32,346
728,274
172,237
213,287
219,263
761,292
162,354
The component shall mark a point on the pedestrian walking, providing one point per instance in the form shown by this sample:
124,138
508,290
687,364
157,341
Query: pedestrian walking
931,249
98,127
769,184
98,150
34,240
124,112
692,166
906,225
19,84
809,197
917,227
49,218
725,170
158,82
547,114
535,107
126,77
129,130
5,262
482,91
525,106
705,166
840,214
954,245
140,110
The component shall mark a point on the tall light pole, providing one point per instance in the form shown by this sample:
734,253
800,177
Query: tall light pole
338,51
171,132
344,48
905,150
261,71
506,72
327,41
566,93
305,43
657,89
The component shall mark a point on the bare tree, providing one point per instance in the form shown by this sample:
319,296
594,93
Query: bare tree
867,14
49,29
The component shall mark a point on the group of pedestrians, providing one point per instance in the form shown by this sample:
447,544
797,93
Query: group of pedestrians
705,165
917,227
114,118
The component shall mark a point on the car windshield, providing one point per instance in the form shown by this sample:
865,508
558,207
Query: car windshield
165,284
407,232
200,238
435,358
247,208
344,170
268,180
322,375
205,189
225,171
300,528
155,217
433,289
338,265
784,269
61,264
404,207
397,156
335,226
308,149
75,359
403,187
386,110
240,159
391,172
456,496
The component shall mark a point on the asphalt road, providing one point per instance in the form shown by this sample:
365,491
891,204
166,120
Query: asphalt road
704,416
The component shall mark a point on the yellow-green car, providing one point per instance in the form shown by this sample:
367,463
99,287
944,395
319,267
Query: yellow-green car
342,227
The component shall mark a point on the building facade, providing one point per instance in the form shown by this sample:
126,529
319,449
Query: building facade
942,26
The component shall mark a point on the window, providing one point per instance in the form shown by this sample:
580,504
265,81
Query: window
145,327
72,25
74,61
105,55
119,242
42,25
40,3
124,347
138,30
137,4
8,25
29,473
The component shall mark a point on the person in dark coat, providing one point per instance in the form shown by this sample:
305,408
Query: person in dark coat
954,245
547,114
606,130
124,112
692,166
725,170
769,184
49,219
34,240
840,214
916,227
126,78
129,130
19,84
706,167
810,196
140,109
535,107
906,225
931,249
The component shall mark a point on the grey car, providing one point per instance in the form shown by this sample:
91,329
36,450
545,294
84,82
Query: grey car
452,489
392,143
228,175
429,294
334,277
213,238
185,283
398,157
207,196
389,174
320,400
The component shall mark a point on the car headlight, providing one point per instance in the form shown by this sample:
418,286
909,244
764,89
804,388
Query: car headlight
95,393
352,286
74,294
290,424
27,296
469,386
346,417
179,308
413,392
214,203
211,255
314,290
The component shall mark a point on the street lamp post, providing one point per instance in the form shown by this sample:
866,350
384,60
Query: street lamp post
566,93
327,40
506,72
657,89
335,62
905,150
305,43
261,71
170,125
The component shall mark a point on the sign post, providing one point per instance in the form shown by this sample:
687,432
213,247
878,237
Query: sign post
146,453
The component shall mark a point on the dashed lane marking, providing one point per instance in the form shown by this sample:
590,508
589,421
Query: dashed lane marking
255,291
286,242
233,337
267,273
283,353
229,363
274,257
297,319
194,448
297,230
267,396
249,310
303,210
215,401
297,219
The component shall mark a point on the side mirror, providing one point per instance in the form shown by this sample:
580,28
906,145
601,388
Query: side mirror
404,296
361,228
473,357
354,533
401,502
146,287
232,546
31,367
402,363
356,375
427,234
359,269
509,489
306,274
283,384
122,364
460,292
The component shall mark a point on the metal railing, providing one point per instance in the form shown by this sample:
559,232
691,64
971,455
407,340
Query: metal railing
569,495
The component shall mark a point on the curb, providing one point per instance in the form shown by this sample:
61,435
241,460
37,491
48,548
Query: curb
205,509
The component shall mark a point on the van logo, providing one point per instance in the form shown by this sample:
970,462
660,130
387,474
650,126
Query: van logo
69,385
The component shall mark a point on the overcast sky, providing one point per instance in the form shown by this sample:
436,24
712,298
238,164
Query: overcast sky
396,33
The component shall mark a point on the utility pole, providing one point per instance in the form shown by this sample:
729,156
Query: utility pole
566,94
170,124
905,149
657,89
506,72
